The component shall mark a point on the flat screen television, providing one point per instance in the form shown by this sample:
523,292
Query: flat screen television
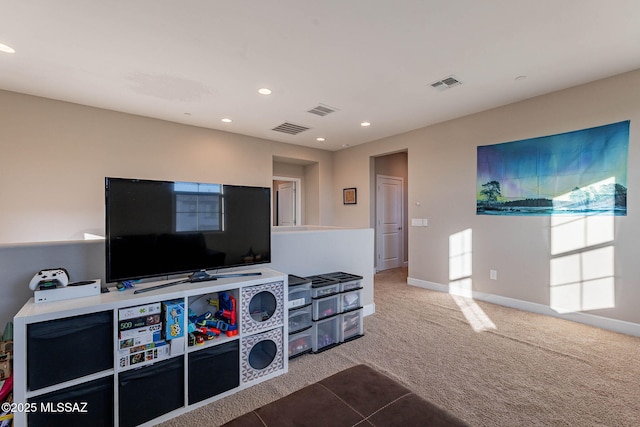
162,228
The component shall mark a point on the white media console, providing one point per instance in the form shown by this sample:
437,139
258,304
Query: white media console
69,367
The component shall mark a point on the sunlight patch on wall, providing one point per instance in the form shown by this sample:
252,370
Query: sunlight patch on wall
583,281
570,233
461,284
462,287
582,266
460,255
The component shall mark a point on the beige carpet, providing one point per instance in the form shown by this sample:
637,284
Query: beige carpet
487,364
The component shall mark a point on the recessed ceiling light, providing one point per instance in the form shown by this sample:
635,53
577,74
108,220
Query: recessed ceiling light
6,49
264,91
320,139
227,120
365,124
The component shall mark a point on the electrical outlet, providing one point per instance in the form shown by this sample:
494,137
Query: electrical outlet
493,274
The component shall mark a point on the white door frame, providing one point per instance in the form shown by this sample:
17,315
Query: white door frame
298,191
378,229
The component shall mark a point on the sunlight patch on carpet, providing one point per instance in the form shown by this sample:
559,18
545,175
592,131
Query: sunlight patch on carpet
477,318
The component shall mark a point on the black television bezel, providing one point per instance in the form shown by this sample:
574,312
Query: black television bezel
171,272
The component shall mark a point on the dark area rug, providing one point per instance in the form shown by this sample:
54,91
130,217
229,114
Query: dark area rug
358,396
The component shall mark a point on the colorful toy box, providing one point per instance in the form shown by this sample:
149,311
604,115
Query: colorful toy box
139,340
144,354
145,330
139,322
138,311
173,317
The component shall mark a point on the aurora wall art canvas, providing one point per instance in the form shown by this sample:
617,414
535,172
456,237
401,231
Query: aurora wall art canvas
583,172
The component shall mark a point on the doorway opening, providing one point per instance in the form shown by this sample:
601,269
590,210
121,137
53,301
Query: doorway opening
389,179
287,203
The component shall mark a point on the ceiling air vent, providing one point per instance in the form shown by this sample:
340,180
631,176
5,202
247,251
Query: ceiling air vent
290,128
446,83
322,110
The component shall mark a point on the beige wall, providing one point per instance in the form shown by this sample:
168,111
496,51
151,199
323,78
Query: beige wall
55,156
442,177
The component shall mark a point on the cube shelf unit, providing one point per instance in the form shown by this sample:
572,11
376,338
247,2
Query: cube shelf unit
69,351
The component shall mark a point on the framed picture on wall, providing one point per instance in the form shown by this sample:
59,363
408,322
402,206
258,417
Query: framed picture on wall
349,196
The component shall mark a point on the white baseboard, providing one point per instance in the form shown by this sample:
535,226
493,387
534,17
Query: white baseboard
615,325
369,309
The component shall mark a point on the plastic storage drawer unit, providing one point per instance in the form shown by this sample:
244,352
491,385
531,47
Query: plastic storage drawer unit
300,319
300,343
352,325
299,292
347,281
322,286
351,300
326,333
326,307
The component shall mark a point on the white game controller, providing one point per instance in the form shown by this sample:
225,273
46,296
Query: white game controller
59,276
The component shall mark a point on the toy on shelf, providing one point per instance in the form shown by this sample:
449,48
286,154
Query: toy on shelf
227,312
195,339
173,313
214,323
126,284
202,327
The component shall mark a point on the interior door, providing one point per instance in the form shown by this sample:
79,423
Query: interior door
389,220
287,204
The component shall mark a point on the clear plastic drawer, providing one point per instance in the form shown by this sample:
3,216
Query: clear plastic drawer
300,343
352,325
299,319
326,307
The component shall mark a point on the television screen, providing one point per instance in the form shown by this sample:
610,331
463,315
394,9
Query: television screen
160,228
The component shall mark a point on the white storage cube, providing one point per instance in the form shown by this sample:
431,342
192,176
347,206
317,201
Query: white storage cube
262,307
326,333
261,354
352,325
326,307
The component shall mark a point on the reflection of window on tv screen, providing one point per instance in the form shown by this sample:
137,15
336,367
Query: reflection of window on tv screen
198,207
158,228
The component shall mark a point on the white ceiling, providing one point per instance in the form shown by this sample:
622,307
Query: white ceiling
198,61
